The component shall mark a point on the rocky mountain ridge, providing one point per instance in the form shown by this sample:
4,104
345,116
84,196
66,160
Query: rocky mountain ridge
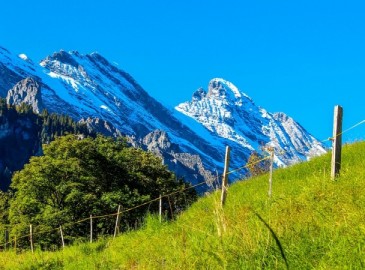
191,139
26,91
231,114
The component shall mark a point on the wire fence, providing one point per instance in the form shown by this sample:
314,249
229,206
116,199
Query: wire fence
13,241
345,131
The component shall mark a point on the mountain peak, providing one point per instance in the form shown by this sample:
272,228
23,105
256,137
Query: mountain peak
73,60
229,113
61,56
221,88
199,94
99,58
90,87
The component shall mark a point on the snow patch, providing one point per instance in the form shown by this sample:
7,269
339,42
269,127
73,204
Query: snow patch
23,56
105,108
69,80
251,126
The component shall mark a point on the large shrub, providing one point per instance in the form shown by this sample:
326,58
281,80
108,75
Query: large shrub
78,177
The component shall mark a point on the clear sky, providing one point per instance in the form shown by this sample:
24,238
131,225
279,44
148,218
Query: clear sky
299,57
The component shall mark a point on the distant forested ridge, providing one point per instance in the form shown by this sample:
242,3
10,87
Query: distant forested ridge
22,133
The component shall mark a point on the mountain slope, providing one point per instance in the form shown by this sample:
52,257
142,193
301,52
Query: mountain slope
231,114
191,140
318,224
22,133
90,89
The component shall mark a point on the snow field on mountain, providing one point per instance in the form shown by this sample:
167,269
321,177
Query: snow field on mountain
88,86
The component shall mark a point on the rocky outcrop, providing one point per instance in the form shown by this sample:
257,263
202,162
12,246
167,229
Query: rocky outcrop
26,91
101,126
191,139
230,114
19,140
159,143
158,140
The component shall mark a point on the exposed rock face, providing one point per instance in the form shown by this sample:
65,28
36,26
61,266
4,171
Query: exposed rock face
191,139
26,91
19,140
93,91
101,126
228,113
22,133
199,94
158,142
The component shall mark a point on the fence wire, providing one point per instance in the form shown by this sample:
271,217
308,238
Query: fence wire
345,131
157,199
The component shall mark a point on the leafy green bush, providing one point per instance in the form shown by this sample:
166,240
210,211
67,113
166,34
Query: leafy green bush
77,178
318,224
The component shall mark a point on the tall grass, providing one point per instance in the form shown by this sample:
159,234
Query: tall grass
310,222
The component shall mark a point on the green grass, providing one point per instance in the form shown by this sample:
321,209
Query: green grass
310,222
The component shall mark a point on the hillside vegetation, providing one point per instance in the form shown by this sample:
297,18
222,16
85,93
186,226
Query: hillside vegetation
76,178
22,133
310,222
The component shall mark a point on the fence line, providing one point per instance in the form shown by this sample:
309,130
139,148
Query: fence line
158,198
126,210
246,166
345,131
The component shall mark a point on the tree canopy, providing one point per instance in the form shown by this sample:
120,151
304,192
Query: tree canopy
24,132
256,165
78,177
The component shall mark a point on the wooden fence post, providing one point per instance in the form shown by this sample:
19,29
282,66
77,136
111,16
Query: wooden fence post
225,177
160,208
117,221
271,150
31,237
336,142
91,228
63,241
171,211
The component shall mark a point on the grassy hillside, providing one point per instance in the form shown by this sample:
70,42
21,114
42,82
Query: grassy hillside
310,222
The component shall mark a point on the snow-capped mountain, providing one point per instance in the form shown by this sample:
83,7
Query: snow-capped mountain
229,113
191,140
92,90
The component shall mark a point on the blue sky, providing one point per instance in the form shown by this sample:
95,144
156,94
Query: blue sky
299,57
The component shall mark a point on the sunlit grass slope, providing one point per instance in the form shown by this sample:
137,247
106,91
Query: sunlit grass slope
310,222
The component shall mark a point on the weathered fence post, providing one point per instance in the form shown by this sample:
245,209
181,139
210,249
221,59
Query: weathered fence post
171,211
160,208
336,142
225,177
63,241
91,228
117,221
31,237
271,150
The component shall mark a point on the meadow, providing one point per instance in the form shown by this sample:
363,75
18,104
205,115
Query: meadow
310,222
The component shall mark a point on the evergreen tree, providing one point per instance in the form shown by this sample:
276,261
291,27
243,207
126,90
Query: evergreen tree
26,132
